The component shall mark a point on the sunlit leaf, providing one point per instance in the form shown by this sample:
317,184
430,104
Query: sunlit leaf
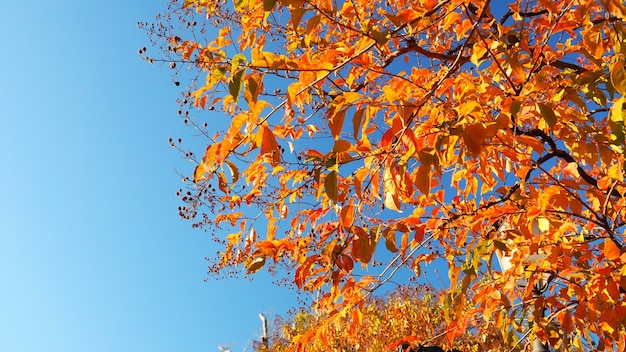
255,264
346,218
548,114
618,77
362,245
611,251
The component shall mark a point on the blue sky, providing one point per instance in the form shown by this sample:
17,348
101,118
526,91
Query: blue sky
93,256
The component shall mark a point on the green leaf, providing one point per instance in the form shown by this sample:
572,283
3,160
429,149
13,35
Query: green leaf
237,60
215,76
268,5
234,86
548,114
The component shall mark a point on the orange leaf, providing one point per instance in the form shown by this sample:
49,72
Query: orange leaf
474,137
611,250
422,179
347,216
269,146
335,121
330,186
361,245
345,262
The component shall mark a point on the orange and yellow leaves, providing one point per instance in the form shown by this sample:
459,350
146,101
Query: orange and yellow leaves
266,59
213,157
456,119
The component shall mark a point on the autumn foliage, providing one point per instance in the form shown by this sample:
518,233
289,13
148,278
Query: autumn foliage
410,315
363,139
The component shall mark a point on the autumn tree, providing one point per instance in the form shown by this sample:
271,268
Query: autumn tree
410,315
363,138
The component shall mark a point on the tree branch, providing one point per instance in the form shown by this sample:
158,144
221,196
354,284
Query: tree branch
413,47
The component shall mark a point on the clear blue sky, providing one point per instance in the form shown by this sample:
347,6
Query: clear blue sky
92,254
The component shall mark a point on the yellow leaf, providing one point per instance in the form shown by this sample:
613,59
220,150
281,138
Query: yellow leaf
222,184
616,172
478,53
618,77
234,171
390,192
255,264
616,121
543,223
198,173
390,239
571,170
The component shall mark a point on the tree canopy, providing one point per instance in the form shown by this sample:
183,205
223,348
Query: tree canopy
363,138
